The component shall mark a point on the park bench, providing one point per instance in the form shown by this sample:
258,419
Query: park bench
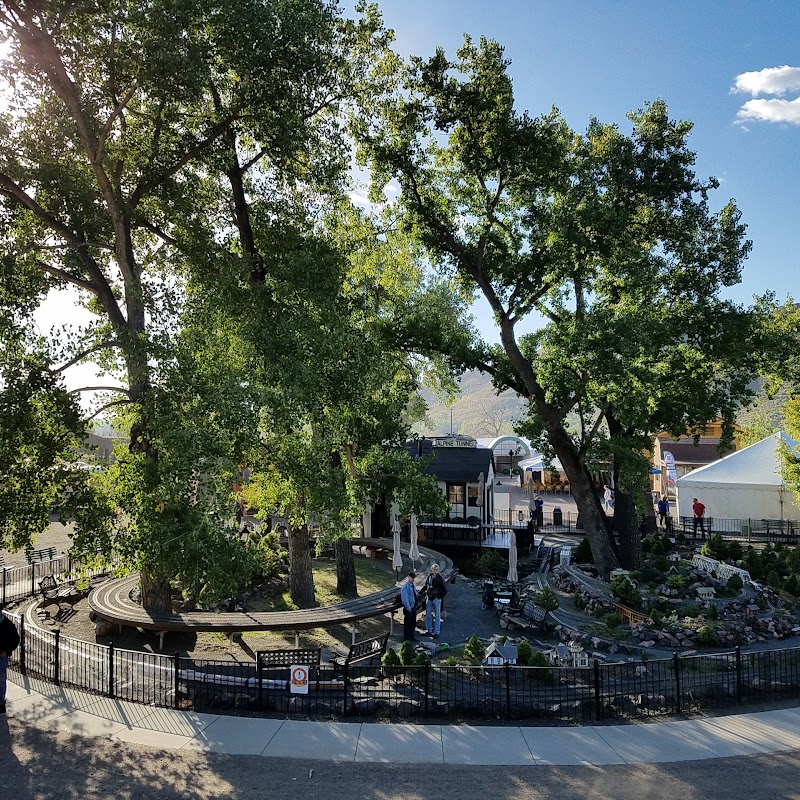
529,616
45,554
52,591
364,652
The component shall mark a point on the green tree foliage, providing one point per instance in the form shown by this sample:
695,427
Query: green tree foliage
626,592
610,237
524,653
474,651
547,599
407,654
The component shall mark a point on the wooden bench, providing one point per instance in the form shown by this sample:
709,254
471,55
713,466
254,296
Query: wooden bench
45,554
52,591
363,652
529,616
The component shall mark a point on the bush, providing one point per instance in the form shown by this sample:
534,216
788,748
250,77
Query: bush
390,662
735,551
734,584
656,617
524,653
407,654
539,659
773,579
583,552
474,651
707,636
267,555
422,660
713,612
452,661
547,599
578,601
715,547
490,563
626,592
792,586
613,620
677,581
689,610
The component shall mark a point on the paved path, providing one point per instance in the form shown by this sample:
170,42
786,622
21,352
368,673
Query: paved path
50,708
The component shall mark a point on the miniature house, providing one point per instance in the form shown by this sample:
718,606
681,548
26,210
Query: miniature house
500,654
569,655
674,557
706,592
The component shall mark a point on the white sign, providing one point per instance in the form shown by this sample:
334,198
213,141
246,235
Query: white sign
298,679
455,441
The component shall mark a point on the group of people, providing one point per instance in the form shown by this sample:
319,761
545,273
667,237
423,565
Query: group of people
435,591
698,515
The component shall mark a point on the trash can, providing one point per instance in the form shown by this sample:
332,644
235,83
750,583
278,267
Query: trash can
558,519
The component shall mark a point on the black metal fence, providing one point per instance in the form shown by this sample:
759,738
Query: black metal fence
747,531
658,688
17,583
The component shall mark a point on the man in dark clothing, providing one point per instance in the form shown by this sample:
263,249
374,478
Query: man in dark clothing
9,641
699,510
435,591
408,597
663,510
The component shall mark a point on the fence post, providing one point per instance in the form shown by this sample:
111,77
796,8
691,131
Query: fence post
111,669
176,674
345,704
427,684
22,668
57,660
5,573
508,690
598,707
260,679
676,665
33,575
738,675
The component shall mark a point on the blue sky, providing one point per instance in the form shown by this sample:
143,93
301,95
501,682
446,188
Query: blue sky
606,58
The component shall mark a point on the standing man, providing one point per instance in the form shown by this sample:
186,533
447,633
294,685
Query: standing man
408,597
538,512
663,510
608,498
9,641
699,510
436,590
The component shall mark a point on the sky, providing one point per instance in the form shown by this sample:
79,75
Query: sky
731,67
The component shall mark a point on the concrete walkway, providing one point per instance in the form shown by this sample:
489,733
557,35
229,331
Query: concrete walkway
47,707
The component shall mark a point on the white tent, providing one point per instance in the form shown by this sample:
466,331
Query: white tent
746,484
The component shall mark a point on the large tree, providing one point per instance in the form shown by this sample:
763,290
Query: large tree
135,137
607,238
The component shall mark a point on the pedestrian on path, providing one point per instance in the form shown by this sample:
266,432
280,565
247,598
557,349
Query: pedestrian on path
9,641
608,498
408,597
663,510
538,512
698,510
436,589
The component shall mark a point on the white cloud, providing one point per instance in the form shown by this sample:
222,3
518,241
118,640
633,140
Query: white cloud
771,110
773,80
358,199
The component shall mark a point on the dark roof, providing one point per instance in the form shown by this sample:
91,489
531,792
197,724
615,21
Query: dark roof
690,453
453,464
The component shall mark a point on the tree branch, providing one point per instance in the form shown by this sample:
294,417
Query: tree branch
120,389
109,123
103,408
68,277
87,352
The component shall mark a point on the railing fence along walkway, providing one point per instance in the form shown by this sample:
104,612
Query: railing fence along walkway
681,684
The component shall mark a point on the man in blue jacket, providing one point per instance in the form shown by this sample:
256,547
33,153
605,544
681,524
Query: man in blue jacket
408,597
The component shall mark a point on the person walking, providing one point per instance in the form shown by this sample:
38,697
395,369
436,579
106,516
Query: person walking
9,641
698,510
663,510
408,597
436,589
608,498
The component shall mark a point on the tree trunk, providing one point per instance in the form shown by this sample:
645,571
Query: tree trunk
345,568
650,525
301,574
594,521
156,597
626,522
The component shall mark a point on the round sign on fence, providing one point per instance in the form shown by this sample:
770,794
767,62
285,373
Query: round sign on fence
298,681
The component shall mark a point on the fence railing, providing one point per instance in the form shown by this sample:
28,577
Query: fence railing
747,531
679,685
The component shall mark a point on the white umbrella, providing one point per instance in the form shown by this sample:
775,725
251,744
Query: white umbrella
413,552
397,556
366,521
512,559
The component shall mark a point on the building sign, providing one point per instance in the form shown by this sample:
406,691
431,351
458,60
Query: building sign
298,679
454,441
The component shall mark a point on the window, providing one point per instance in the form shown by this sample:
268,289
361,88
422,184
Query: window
472,496
455,496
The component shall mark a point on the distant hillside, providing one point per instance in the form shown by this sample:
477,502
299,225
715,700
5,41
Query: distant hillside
478,411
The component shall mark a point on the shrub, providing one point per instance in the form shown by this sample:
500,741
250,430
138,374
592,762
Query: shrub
489,562
452,661
656,616
547,599
538,659
583,552
792,586
735,551
627,593
613,620
474,651
677,581
390,662
715,547
707,636
524,653
734,584
578,601
773,579
422,660
689,610
407,654
713,612
762,604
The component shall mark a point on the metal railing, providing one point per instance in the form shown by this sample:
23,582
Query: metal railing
678,685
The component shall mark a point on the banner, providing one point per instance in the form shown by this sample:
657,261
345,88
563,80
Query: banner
672,472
